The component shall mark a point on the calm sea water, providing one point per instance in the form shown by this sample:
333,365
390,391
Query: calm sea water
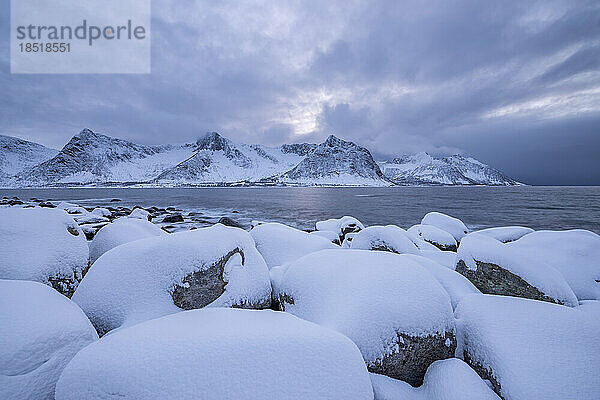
536,207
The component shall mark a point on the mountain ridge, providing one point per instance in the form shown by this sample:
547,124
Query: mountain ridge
91,158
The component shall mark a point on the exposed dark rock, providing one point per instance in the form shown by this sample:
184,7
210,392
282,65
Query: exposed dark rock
493,279
440,246
47,204
414,356
230,222
173,218
201,288
484,373
114,200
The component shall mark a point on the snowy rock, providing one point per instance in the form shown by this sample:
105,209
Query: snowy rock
453,226
454,283
342,226
395,311
434,235
449,379
230,222
40,331
104,212
43,245
385,238
506,234
89,218
281,244
575,253
530,349
140,213
122,230
497,268
219,354
333,237
71,208
152,277
173,218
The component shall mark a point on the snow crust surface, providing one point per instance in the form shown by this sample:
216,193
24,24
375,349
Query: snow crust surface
390,237
219,354
535,349
37,244
433,234
40,331
280,244
120,231
506,233
133,282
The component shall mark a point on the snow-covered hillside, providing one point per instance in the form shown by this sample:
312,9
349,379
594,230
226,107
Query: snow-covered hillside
424,169
90,158
17,155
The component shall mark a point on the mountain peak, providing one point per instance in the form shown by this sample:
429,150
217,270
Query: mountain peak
333,140
212,141
85,132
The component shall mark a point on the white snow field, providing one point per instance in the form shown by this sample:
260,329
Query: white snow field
136,281
42,244
575,253
453,226
219,353
521,261
449,379
506,234
281,244
434,235
454,283
332,236
120,231
532,349
375,298
388,238
445,258
40,331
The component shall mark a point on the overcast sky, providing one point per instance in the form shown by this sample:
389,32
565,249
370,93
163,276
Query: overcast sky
515,84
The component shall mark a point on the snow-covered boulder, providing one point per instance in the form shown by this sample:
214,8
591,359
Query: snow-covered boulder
434,235
531,349
40,331
497,268
219,354
149,278
104,212
342,226
506,234
575,253
140,213
454,283
122,230
449,379
396,312
281,244
385,238
89,218
453,226
333,237
71,208
44,245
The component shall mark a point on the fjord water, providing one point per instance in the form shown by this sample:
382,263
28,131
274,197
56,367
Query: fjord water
537,207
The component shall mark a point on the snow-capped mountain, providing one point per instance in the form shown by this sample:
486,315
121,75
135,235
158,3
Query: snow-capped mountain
336,161
91,158
424,169
17,155
217,159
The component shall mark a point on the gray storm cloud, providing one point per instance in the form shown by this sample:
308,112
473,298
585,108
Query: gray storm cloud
515,84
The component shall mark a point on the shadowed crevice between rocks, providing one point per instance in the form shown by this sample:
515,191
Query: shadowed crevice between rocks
484,373
493,279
